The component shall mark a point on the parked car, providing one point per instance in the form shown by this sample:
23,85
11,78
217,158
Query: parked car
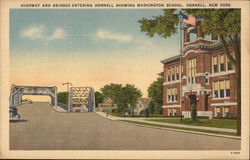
13,114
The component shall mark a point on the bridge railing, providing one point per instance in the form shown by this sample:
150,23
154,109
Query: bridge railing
64,106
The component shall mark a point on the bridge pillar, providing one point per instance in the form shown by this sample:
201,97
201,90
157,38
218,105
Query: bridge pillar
55,96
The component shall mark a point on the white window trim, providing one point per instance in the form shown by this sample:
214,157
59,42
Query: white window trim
175,96
171,106
219,91
225,65
215,111
222,73
224,104
172,82
194,76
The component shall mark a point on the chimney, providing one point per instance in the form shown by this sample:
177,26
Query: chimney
199,30
186,35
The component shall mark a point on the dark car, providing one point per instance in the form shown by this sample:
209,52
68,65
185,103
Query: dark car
13,114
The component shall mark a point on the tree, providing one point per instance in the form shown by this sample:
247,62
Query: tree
112,90
128,98
193,111
151,108
224,23
125,97
98,98
146,112
62,97
155,93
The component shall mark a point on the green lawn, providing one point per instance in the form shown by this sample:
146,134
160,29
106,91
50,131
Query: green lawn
181,128
217,123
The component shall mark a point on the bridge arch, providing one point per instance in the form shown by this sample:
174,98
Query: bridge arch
18,91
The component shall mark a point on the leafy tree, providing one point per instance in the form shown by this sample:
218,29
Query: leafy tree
62,97
146,112
112,90
128,98
155,91
151,108
98,98
224,23
125,97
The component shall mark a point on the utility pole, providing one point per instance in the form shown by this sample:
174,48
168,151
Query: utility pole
68,84
181,50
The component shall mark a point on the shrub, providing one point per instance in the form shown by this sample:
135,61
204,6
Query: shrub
193,111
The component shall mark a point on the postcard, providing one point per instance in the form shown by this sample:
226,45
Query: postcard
88,79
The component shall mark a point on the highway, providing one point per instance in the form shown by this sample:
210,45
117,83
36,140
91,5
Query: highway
42,128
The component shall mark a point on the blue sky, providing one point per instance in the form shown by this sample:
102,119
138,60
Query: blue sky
85,42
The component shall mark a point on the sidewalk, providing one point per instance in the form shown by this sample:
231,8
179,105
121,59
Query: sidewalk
58,108
141,119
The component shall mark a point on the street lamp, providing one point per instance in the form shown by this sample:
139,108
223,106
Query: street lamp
67,83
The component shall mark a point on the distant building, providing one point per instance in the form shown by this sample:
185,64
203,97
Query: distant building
141,105
203,76
107,105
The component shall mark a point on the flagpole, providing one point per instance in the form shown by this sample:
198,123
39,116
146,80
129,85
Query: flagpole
180,20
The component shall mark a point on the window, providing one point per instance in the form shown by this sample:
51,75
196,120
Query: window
177,73
226,109
174,112
168,94
175,94
215,64
173,74
226,112
171,94
217,112
221,63
191,70
222,66
168,74
206,80
216,89
217,109
221,89
227,88
173,97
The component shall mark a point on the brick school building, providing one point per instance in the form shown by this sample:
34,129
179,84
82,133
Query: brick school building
202,75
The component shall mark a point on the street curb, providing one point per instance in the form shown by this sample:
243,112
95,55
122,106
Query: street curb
177,130
56,109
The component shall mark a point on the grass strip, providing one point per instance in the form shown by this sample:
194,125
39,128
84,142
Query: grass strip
217,123
181,128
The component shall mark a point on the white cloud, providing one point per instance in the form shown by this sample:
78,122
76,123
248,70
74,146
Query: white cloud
106,34
38,32
35,32
59,33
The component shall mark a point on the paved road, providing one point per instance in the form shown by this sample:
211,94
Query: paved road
42,128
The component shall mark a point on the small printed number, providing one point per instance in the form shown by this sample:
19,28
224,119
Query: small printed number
235,152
